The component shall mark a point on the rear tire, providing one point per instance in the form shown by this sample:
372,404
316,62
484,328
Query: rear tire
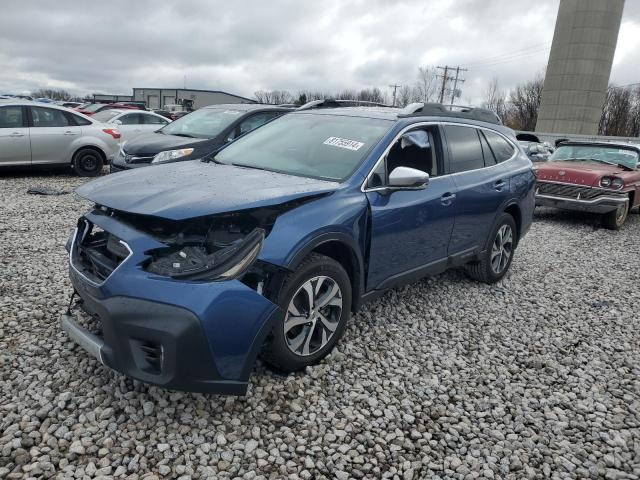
316,301
615,220
498,253
87,163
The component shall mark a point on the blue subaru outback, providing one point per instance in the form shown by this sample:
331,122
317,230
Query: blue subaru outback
189,271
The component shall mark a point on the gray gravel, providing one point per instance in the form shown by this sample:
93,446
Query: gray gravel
536,377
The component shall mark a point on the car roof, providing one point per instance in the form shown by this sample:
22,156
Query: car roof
395,114
249,107
627,145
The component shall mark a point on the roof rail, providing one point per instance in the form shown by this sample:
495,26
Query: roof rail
458,111
333,103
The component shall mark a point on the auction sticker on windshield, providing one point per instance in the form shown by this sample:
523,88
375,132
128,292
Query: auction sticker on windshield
343,143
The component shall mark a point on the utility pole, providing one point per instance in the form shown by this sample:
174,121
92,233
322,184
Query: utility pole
445,77
455,82
395,88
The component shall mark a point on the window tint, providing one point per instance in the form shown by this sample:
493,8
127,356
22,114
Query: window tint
465,149
11,117
489,158
48,117
130,119
152,120
501,148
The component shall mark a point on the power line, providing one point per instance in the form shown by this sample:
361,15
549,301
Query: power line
512,59
512,55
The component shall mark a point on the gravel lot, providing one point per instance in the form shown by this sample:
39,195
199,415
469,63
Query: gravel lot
536,377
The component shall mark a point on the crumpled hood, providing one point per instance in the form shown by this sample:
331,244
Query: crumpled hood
580,173
183,190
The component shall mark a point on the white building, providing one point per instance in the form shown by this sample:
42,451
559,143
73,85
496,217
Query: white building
189,98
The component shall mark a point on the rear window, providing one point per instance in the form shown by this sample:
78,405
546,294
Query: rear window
502,149
465,149
106,115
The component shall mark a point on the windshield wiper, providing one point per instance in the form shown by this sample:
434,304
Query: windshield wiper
212,159
183,135
248,166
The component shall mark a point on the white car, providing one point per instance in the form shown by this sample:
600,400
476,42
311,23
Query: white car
131,123
33,134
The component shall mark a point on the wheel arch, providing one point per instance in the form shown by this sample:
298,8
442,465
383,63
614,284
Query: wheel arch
513,209
344,250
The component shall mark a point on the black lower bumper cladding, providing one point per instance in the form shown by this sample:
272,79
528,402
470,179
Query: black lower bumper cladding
158,344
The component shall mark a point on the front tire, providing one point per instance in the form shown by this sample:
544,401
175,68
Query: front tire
87,163
498,254
615,220
316,301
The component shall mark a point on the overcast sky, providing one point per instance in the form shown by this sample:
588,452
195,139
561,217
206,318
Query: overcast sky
243,46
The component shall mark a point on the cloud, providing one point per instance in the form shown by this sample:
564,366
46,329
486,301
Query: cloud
245,46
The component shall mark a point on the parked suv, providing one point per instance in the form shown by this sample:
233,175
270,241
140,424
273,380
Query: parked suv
33,134
195,135
190,270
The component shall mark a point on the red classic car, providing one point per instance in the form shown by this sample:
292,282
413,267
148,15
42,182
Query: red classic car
599,177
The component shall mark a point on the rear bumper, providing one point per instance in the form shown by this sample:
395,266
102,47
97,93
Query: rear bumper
603,204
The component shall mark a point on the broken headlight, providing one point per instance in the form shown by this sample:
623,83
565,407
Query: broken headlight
194,262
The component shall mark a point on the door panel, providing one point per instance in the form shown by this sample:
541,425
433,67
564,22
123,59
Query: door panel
52,135
480,194
14,137
410,229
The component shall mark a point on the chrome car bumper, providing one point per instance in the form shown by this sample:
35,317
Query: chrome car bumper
603,204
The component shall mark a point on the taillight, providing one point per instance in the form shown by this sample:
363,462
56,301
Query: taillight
113,132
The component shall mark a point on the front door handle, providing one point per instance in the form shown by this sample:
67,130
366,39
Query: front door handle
17,134
69,132
499,185
447,199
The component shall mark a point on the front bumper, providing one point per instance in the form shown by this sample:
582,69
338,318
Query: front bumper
181,335
602,204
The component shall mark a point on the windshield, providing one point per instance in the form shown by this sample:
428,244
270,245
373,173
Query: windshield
598,153
311,145
106,115
203,123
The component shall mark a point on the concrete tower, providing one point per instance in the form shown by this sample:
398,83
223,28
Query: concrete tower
584,43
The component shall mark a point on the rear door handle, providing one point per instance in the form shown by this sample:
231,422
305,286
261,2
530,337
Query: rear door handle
17,134
69,132
499,185
447,199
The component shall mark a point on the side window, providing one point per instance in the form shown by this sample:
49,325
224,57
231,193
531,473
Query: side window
49,117
11,117
465,148
489,158
502,149
79,120
412,156
152,120
130,119
255,121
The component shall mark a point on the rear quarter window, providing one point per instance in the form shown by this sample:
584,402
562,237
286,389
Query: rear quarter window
502,149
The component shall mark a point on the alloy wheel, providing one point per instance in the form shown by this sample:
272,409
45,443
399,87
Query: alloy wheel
313,315
502,249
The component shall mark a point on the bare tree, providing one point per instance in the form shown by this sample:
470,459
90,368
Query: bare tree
274,97
524,103
426,86
495,99
52,93
621,112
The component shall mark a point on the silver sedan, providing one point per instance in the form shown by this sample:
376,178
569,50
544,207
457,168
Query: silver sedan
131,123
33,134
